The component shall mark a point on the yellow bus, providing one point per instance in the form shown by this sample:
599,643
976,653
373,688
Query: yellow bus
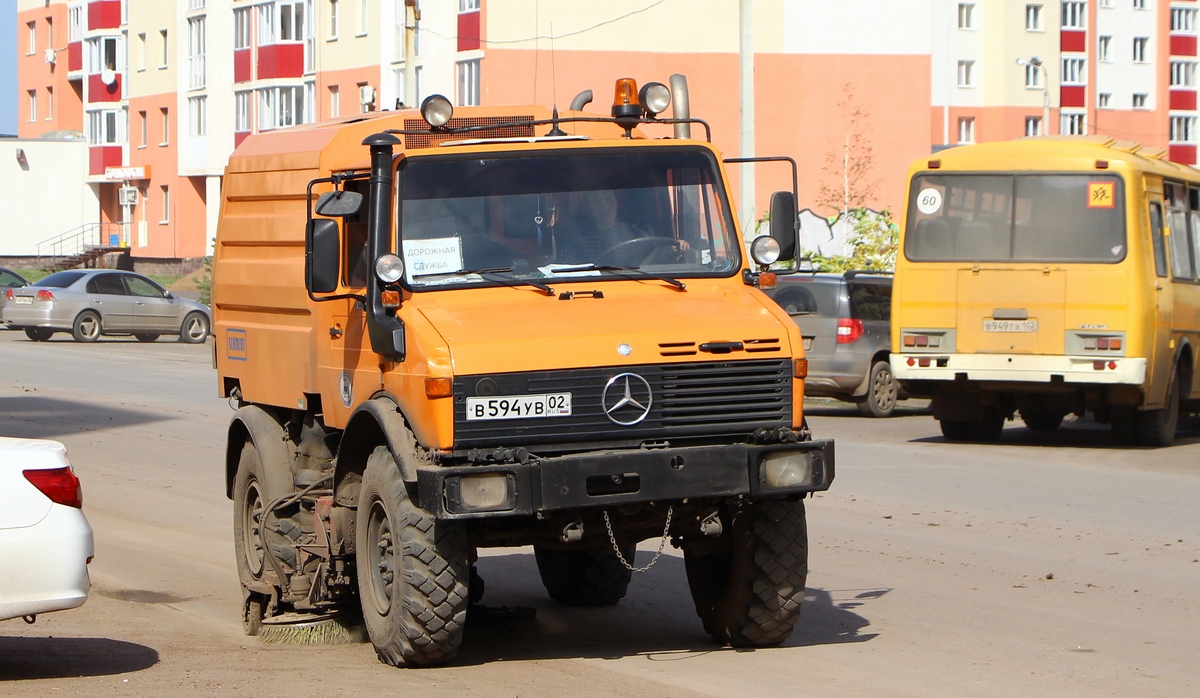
1050,276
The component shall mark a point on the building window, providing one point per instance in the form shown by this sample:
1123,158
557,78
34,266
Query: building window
1074,14
196,49
104,54
966,73
1183,129
333,20
198,115
32,105
1074,71
1183,74
241,28
75,23
50,32
291,20
1033,18
1183,20
363,17
468,5
1139,4
468,83
1104,100
1033,126
106,127
141,51
966,129
49,103
241,111
1073,125
32,27
166,205
195,4
142,121
1033,77
1139,48
1140,100
282,106
335,101
266,24
166,126
165,49
966,15
1107,4
1103,54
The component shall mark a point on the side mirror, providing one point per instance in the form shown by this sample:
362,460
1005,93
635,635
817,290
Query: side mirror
335,204
322,252
783,223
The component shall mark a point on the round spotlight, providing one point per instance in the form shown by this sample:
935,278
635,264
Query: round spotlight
765,250
389,268
436,110
655,97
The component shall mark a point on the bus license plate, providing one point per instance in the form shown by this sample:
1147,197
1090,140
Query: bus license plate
519,406
1010,325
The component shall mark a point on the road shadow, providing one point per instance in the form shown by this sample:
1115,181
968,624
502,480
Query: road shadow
656,620
35,417
828,407
24,658
1079,433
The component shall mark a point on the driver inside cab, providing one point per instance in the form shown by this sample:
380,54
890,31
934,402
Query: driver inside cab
600,235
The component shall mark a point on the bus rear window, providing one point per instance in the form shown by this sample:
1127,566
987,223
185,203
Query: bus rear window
1016,218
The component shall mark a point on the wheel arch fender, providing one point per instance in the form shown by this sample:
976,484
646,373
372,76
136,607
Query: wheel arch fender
1185,367
376,422
865,385
260,427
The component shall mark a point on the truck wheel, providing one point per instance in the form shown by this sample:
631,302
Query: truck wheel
413,571
250,497
880,399
988,427
1157,427
586,577
1041,420
955,429
750,595
86,327
1124,424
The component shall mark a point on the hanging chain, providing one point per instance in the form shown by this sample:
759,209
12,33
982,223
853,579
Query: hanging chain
661,544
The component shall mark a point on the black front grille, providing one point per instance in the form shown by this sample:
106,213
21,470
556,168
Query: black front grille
427,140
692,399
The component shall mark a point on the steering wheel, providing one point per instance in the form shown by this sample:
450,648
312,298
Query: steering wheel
637,248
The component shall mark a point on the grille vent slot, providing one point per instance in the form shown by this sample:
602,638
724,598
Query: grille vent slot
426,140
754,346
677,348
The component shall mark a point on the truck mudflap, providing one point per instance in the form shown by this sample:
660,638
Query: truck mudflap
610,478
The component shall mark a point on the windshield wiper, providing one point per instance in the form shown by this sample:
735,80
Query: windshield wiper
501,274
627,272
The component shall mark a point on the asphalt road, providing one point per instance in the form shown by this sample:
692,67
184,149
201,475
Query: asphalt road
1044,565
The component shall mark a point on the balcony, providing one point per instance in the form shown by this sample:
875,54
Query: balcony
1183,45
100,92
102,156
103,14
280,61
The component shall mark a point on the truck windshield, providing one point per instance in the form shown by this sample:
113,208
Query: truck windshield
579,215
1017,218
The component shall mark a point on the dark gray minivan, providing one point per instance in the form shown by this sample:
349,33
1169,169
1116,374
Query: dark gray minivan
845,320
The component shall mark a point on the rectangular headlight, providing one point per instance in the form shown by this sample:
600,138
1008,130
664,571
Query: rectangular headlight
489,492
786,469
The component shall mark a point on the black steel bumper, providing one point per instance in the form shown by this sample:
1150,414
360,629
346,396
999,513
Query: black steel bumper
610,478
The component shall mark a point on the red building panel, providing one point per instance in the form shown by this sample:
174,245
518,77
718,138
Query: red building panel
280,61
468,31
1073,96
1183,45
241,65
104,14
101,156
1183,154
75,56
99,92
1183,99
1073,41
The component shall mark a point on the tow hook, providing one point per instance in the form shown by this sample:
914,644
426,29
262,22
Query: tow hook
711,525
30,619
572,532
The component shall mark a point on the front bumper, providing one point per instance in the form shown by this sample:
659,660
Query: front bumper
1019,368
612,478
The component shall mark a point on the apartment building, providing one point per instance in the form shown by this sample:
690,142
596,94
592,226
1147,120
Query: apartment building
164,90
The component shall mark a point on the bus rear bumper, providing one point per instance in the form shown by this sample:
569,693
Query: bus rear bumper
1093,370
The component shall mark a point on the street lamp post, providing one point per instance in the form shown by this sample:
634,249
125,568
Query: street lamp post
1037,63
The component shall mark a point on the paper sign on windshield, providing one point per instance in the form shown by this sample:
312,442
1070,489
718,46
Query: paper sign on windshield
1100,195
433,256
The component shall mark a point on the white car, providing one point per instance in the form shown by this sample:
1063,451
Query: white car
45,540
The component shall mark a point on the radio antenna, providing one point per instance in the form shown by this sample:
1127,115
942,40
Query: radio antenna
554,130
537,41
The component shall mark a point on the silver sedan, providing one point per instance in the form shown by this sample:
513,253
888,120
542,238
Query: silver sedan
91,302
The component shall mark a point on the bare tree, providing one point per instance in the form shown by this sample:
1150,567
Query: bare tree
848,167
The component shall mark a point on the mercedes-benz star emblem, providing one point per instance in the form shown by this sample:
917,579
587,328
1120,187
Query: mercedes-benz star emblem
627,399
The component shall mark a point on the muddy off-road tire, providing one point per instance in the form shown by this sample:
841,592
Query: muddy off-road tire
587,577
250,497
413,571
750,594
